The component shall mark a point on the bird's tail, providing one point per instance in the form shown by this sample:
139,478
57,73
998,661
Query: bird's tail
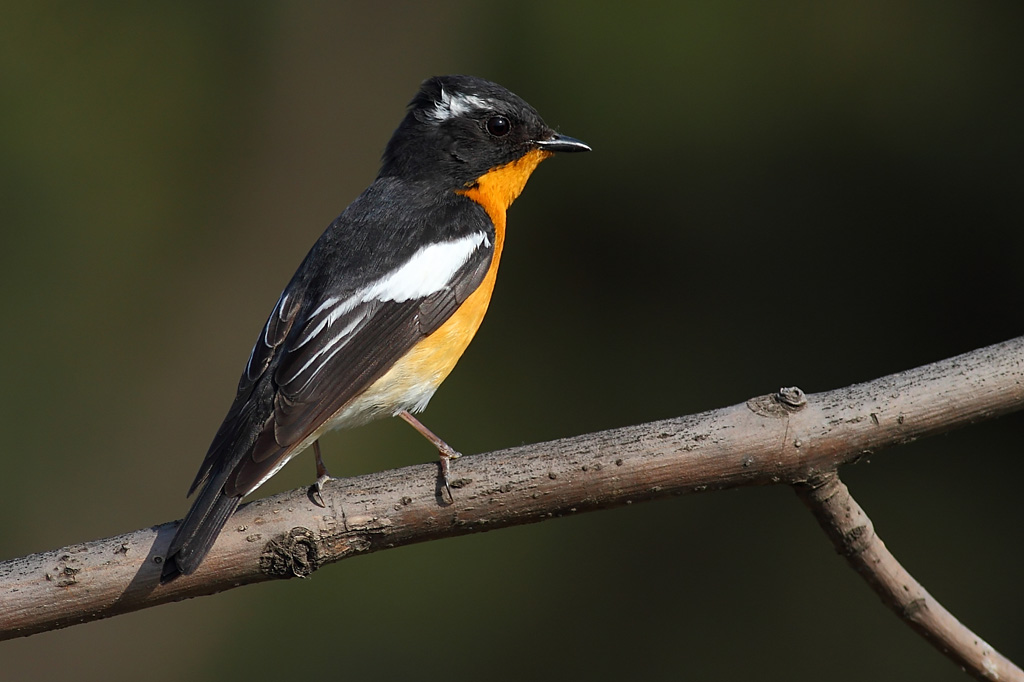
198,530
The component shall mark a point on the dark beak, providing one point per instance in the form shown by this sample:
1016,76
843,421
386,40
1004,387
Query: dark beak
562,143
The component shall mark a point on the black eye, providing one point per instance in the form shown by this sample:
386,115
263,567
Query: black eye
499,126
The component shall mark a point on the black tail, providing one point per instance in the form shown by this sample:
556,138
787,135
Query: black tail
198,530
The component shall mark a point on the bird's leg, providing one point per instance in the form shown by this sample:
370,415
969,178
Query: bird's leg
446,452
321,476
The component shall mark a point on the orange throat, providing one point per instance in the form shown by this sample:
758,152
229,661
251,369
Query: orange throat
496,189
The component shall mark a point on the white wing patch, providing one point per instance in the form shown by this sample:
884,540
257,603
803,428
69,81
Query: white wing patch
427,272
456,104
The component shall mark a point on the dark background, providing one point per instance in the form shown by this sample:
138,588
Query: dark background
779,194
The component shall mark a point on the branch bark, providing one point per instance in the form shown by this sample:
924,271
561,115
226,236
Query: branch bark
782,438
854,537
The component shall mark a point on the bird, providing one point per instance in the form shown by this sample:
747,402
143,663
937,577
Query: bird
384,303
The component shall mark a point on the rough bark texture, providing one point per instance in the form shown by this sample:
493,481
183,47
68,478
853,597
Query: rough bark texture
780,438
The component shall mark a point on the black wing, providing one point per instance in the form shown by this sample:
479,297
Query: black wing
328,359
338,326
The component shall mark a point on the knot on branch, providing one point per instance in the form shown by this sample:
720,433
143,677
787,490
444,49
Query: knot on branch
791,398
295,554
778,404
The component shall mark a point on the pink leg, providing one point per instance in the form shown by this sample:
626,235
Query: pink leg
446,452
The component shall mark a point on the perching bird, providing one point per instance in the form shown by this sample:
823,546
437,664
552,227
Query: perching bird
385,302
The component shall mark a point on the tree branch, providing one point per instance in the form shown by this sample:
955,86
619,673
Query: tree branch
781,438
853,535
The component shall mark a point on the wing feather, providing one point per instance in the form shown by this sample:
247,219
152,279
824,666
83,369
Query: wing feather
250,405
387,272
330,338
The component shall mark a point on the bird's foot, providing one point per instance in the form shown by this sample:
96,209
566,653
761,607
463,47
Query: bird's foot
447,454
316,493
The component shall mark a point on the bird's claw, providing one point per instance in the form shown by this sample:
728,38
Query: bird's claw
316,493
446,456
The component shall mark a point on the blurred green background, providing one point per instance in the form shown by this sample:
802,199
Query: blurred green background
808,194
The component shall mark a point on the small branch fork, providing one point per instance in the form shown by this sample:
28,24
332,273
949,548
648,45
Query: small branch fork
787,437
853,535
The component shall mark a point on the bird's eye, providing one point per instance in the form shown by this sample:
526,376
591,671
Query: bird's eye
499,126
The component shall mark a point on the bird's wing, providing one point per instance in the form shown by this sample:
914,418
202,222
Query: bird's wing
326,341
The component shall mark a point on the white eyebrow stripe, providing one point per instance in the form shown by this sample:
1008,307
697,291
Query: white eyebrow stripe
427,272
456,104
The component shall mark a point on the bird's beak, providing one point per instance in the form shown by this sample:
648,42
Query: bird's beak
562,143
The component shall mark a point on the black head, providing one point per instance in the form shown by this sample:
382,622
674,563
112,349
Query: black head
460,127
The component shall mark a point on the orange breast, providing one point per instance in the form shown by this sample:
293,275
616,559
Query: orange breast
495,191
411,381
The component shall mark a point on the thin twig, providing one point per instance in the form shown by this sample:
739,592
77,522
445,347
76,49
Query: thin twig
854,537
